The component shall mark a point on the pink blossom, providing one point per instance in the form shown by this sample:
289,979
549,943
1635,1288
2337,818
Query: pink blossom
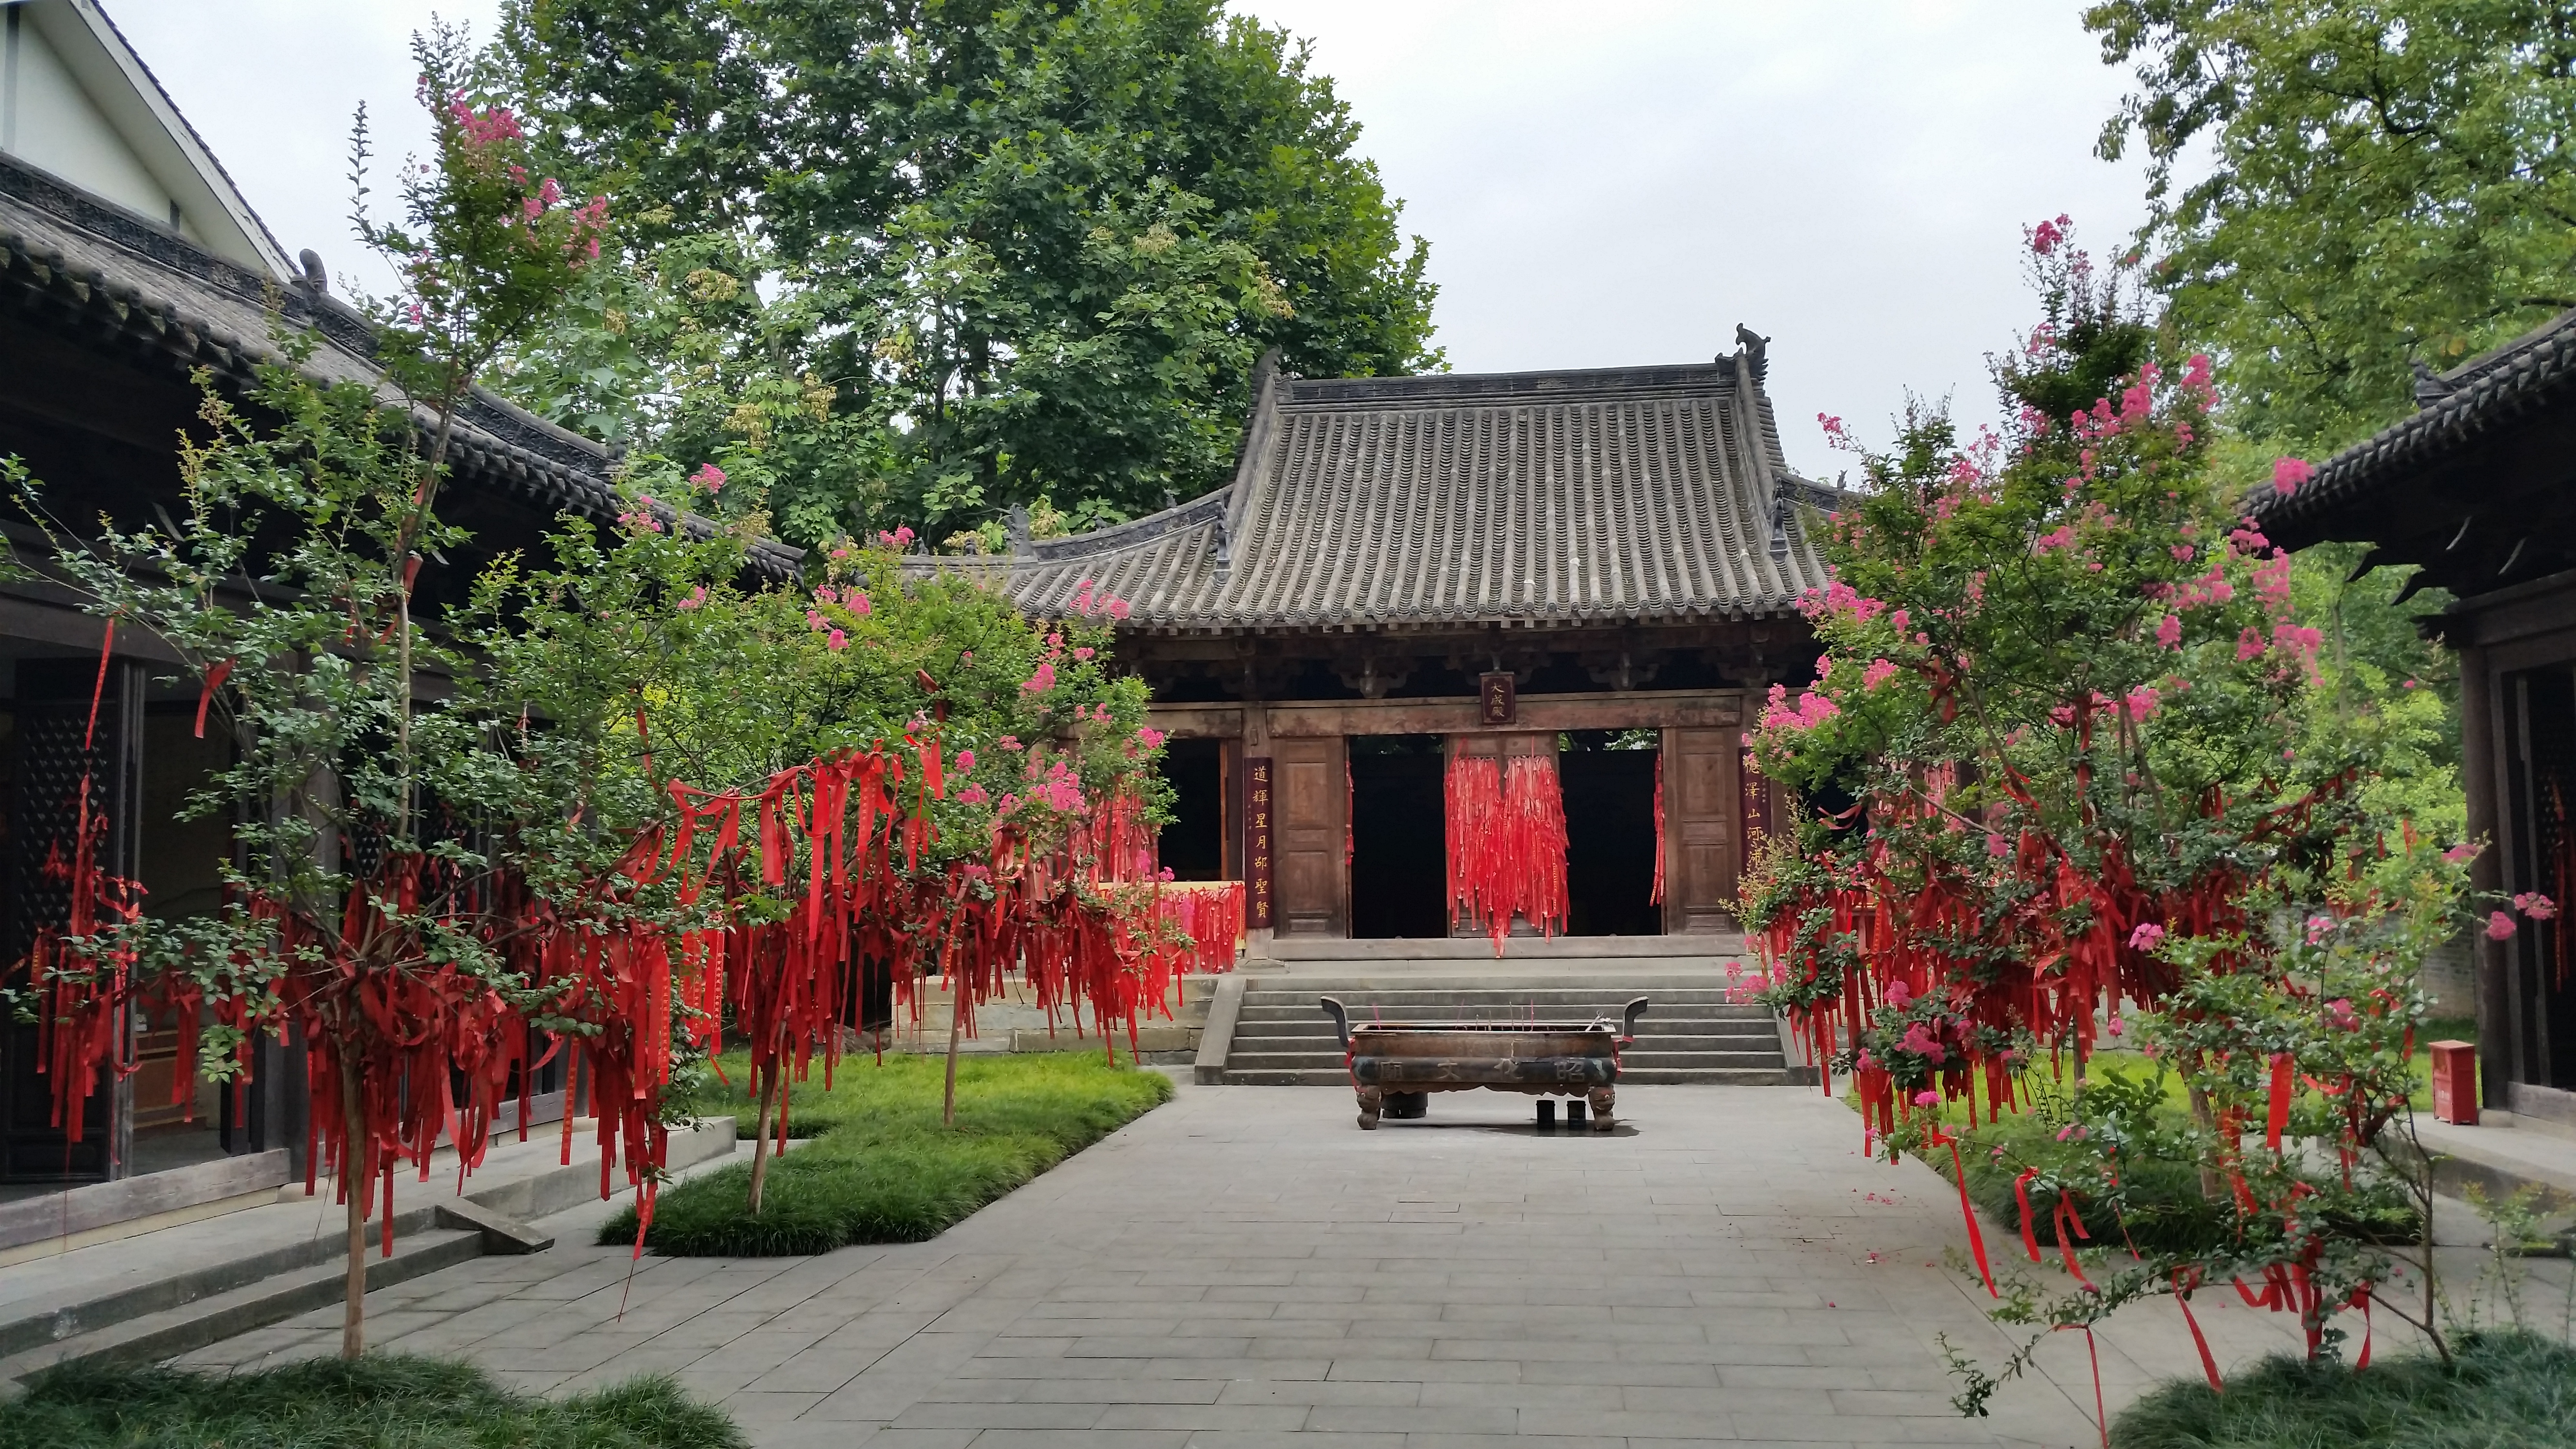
2249,644
2169,632
696,598
1041,681
1998,846
2288,474
973,794
2319,927
2142,701
2535,905
1011,742
2146,936
2340,1009
814,620
1150,737
2500,927
1084,652
826,594
2463,853
965,760
836,640
1919,1041
2048,235
1118,609
1927,1099
1876,674
1899,994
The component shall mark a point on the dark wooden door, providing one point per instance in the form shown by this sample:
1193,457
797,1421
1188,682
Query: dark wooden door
1311,874
1703,806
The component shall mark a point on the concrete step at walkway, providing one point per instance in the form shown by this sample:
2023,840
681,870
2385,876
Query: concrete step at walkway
164,1292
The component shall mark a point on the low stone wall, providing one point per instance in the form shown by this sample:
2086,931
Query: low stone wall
1015,1023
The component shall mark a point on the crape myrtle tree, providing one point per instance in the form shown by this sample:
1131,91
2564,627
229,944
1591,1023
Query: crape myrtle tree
922,262
2074,780
432,889
420,890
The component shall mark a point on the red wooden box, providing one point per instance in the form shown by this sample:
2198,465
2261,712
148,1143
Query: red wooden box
2455,1082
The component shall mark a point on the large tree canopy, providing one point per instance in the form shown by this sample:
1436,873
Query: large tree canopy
2388,183
920,260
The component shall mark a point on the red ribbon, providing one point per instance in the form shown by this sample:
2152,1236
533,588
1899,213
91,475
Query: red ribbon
2279,1117
215,678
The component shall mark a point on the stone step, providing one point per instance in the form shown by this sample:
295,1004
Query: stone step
1748,1016
212,1319
1644,1077
1755,1040
1544,1002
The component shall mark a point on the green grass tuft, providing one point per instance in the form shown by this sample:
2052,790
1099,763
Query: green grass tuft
874,1164
2507,1391
378,1402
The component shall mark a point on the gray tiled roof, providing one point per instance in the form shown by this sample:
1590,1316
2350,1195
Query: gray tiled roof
1603,496
71,261
2534,371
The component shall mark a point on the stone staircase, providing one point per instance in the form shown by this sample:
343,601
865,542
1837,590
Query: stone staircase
1690,1033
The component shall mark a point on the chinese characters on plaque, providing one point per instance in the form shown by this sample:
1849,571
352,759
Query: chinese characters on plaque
1497,699
1256,841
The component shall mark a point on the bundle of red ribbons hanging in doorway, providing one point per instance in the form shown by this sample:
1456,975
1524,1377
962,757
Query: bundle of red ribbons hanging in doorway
1506,831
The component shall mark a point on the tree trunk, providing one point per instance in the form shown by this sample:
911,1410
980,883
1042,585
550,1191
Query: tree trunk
2200,1113
956,1027
354,1176
760,1136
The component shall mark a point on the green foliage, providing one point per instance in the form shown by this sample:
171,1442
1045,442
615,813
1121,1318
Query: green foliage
376,1402
2391,183
1012,254
879,1167
2500,1391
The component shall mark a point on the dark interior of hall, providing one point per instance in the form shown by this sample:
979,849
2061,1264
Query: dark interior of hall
1193,844
1399,860
1609,784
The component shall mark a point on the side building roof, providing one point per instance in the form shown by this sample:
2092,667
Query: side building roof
1604,496
2478,487
122,284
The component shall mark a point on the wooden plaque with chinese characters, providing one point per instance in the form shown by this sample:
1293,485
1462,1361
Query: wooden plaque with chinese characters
1256,842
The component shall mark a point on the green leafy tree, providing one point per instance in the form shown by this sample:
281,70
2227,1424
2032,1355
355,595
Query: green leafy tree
922,262
2387,183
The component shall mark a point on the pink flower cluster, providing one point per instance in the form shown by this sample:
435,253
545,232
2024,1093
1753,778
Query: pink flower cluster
1811,710
901,538
2535,905
1088,601
1877,673
1150,737
2288,474
2169,631
1040,682
710,477
696,599
479,129
2146,936
640,517
1837,599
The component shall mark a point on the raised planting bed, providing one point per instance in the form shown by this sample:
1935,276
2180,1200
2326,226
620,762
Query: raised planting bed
869,1161
2501,1391
378,1402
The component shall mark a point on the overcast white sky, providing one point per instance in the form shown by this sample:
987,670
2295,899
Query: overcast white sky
1605,183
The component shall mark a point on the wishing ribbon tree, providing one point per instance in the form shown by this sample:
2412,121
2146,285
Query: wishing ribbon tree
2070,778
1506,837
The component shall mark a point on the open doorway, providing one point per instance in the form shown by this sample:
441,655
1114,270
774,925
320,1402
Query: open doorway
1609,781
1399,851
1193,844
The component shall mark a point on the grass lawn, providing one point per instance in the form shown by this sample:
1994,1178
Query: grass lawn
379,1402
872,1163
2507,1391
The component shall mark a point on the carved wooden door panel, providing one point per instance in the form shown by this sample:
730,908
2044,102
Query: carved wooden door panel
1312,873
1703,808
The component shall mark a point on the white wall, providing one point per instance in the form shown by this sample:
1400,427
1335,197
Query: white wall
48,120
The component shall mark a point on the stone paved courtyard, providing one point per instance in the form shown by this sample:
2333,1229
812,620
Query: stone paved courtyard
1245,1267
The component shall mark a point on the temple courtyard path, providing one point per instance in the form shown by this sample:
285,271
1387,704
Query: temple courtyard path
1245,1267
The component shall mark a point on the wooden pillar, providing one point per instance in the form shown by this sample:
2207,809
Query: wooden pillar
1258,827
2485,754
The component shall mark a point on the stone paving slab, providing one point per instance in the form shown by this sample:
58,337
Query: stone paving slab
1245,1269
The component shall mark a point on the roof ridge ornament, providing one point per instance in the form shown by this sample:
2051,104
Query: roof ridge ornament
2430,387
1754,348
